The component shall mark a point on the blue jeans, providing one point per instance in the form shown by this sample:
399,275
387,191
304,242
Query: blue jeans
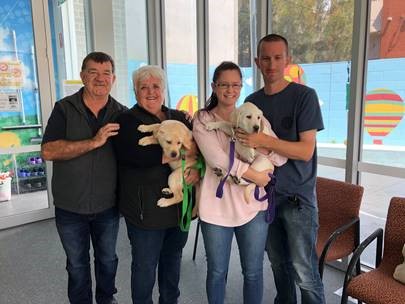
160,248
291,248
251,239
75,231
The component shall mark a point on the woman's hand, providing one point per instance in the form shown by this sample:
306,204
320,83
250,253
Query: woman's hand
191,176
260,178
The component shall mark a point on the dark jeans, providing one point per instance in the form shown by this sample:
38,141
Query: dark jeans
75,231
155,248
291,249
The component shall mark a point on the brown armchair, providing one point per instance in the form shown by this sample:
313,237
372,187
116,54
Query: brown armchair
339,223
378,286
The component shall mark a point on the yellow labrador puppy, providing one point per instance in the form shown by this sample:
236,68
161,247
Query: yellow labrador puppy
172,135
249,118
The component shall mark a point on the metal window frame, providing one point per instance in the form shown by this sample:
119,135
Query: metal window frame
202,52
155,22
358,76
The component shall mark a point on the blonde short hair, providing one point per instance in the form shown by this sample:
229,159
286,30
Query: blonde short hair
149,71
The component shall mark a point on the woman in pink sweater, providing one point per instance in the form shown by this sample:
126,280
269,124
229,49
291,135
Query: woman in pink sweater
221,218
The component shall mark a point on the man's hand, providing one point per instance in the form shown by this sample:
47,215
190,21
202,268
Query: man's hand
65,149
254,140
110,129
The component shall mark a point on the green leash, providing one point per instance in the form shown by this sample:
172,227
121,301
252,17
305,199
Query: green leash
200,165
187,204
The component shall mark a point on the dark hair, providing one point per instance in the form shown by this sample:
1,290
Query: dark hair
98,57
212,101
271,38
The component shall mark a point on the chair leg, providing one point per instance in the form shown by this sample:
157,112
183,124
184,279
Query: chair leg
197,231
344,298
321,266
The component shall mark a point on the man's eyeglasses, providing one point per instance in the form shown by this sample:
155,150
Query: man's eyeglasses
225,86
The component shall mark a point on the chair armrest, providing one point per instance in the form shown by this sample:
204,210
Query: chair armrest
335,235
377,234
340,230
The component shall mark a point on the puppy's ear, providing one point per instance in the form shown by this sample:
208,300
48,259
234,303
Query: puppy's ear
188,142
263,127
261,124
187,139
159,132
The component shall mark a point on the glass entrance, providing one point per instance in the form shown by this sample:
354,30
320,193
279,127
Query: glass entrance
42,43
23,177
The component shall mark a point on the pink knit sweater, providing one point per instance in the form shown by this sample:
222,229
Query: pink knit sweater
231,210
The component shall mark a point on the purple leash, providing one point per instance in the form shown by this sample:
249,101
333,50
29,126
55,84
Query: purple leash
271,198
269,188
220,188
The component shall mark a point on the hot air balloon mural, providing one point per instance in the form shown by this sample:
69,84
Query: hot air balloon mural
384,110
294,72
188,103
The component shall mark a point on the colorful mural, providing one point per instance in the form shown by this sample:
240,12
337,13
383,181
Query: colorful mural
384,110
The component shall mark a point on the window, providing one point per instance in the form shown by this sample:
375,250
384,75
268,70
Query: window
23,180
383,148
181,54
384,108
230,38
130,45
320,35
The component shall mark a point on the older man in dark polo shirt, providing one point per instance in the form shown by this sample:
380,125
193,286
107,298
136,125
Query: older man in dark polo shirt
77,140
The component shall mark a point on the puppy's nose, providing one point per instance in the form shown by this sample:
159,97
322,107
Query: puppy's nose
173,154
256,128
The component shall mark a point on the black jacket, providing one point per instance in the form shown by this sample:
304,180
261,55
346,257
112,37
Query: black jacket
141,174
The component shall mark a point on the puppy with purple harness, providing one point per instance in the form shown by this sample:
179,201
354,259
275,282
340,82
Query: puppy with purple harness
249,118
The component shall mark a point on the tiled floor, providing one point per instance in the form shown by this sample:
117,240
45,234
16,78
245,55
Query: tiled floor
32,270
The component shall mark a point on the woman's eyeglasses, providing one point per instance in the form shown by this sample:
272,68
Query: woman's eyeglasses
225,86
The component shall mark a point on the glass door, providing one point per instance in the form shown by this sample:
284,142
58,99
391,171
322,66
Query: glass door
42,44
23,176
382,164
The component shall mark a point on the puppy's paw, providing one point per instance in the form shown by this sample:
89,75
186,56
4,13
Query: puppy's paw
235,179
144,141
166,193
166,202
218,172
163,202
143,128
251,155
